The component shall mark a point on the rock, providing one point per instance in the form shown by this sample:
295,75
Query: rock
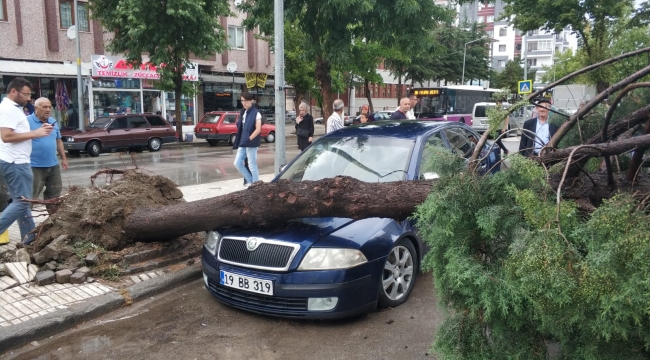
84,270
90,280
73,262
22,256
45,278
78,277
92,259
63,276
3,270
52,265
55,250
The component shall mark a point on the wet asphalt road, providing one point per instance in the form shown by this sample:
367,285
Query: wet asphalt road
188,323
188,165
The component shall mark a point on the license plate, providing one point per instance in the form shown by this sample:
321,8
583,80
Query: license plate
246,283
206,129
483,121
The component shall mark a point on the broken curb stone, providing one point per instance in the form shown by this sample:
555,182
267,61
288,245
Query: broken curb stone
78,277
63,276
45,278
92,259
22,256
84,270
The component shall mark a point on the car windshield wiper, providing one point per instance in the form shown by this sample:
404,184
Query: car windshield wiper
354,161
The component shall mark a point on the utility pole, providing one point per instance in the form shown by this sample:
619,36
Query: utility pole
523,48
278,28
81,113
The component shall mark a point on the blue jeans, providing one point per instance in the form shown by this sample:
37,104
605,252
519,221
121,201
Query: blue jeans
19,180
249,153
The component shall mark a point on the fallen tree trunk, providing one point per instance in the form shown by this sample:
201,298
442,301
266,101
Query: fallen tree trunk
265,204
595,150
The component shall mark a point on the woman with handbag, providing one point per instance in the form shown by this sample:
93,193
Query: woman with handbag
304,127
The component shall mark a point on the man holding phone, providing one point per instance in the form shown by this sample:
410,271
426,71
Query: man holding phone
15,151
45,164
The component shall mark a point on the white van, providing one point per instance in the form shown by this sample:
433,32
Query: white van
479,116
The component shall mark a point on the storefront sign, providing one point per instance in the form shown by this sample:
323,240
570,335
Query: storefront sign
255,79
118,67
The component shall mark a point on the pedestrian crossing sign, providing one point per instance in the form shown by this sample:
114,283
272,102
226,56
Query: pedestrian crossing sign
525,87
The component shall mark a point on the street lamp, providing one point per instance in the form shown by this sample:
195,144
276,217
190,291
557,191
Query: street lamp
465,54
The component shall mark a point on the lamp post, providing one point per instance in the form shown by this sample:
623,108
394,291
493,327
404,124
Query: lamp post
81,118
465,54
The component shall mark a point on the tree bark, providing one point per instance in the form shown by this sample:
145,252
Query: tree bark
325,82
366,86
595,150
268,204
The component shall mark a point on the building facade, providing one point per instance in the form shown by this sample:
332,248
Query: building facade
36,44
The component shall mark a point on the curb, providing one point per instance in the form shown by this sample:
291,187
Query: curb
15,336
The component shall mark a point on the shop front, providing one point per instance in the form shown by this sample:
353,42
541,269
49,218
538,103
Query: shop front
56,81
222,92
119,88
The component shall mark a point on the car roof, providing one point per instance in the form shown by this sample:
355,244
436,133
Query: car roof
222,112
410,129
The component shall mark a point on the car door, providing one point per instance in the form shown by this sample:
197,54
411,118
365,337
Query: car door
424,167
462,142
228,124
140,130
118,134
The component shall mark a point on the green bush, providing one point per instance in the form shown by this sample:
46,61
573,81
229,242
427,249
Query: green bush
516,273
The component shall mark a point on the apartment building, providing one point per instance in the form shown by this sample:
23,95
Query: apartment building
36,44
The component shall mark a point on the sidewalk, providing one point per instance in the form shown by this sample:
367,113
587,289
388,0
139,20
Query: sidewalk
29,312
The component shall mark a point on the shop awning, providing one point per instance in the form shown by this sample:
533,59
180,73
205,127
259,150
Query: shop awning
29,68
225,79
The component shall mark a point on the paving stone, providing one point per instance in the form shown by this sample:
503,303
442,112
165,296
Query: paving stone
135,279
92,259
84,270
90,280
18,271
31,271
63,276
22,256
45,278
7,282
3,270
144,277
78,277
50,266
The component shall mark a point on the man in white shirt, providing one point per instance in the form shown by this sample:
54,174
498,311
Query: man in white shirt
335,121
15,151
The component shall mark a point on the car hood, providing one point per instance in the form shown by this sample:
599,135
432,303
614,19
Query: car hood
305,231
82,133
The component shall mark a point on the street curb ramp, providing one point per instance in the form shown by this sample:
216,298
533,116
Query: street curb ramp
15,336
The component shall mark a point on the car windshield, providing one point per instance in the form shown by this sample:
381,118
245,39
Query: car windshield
100,123
210,118
369,159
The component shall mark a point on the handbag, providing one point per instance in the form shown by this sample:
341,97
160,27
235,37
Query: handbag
302,132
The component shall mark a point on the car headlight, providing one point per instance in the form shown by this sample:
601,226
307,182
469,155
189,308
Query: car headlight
68,139
330,259
212,241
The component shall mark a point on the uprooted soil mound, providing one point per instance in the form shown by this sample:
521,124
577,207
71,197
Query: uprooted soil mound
97,214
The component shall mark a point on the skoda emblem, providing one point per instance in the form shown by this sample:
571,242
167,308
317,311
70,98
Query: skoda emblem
251,244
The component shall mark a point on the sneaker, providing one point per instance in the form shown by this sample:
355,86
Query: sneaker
246,186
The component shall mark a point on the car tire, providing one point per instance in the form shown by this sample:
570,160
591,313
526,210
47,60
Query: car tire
213,142
154,144
398,276
94,148
231,141
270,138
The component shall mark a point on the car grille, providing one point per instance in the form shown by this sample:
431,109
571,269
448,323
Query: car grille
270,256
269,303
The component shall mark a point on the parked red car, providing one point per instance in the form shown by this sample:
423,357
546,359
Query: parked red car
114,132
218,126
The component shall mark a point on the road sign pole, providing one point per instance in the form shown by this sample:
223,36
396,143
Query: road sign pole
280,102
523,46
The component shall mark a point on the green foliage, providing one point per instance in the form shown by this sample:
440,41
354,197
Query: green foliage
516,279
110,273
298,68
512,73
83,248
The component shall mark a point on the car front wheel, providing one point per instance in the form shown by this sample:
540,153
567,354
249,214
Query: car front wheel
154,144
270,138
231,141
94,148
398,275
213,142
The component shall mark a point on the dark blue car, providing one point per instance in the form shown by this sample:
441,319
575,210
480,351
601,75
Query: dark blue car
335,267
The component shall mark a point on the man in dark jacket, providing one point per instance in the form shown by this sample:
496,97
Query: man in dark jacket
400,113
537,131
247,141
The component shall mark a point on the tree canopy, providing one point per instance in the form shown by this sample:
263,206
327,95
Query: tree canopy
511,75
169,31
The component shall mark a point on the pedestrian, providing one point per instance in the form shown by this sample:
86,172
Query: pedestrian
335,121
413,100
365,115
503,128
45,164
537,131
15,151
247,140
304,127
400,113
30,106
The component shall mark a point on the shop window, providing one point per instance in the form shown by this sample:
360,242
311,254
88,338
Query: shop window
236,37
3,10
68,18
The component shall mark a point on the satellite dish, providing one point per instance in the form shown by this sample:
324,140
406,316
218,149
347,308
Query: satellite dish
72,32
231,67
